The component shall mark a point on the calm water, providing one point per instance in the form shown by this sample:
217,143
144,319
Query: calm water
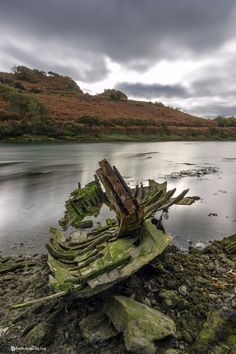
35,180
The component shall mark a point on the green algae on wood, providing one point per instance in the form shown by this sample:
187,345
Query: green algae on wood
121,254
109,253
82,202
91,262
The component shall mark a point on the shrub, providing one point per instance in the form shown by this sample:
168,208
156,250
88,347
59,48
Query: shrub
35,90
6,80
159,104
89,120
19,86
6,91
25,74
6,116
27,106
117,95
72,86
225,122
114,95
52,73
39,72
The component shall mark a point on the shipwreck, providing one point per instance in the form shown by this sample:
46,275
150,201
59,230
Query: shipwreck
92,261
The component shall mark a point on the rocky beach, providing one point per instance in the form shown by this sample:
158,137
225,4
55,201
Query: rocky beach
194,289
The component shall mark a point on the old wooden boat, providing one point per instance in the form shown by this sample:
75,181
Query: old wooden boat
91,261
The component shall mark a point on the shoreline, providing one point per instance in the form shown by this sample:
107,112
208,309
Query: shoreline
110,138
196,289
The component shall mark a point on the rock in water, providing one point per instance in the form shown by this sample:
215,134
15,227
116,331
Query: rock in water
140,324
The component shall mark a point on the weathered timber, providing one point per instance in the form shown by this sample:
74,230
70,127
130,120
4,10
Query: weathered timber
109,253
90,262
7,266
128,210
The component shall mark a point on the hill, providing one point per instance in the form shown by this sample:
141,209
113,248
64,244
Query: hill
35,105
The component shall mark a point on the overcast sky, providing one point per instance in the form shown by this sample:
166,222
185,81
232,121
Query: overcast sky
180,52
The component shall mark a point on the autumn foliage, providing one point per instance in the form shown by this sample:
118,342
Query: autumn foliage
52,105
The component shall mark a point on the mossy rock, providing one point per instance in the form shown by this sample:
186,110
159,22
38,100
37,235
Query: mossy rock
170,299
140,324
230,244
97,328
41,334
219,329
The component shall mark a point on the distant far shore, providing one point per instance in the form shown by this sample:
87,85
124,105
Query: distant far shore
108,138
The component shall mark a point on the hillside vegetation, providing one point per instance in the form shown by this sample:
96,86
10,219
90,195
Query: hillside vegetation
35,105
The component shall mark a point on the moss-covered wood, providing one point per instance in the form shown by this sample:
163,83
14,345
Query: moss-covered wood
95,260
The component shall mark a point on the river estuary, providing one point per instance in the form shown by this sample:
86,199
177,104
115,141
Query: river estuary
36,179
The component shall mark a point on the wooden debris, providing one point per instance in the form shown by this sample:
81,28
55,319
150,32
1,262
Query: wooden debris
7,266
91,262
109,253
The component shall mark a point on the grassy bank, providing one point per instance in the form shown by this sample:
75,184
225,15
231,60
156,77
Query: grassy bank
112,138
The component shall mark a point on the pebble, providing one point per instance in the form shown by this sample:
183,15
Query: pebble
233,302
171,284
153,302
187,337
3,331
219,301
210,266
201,280
178,315
212,297
147,302
183,290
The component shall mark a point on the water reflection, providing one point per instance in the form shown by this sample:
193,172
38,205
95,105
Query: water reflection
33,190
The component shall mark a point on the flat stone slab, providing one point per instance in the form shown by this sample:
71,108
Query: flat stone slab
140,324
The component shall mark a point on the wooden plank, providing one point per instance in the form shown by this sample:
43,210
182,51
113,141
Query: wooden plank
118,185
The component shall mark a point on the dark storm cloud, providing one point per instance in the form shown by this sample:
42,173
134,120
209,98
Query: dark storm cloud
205,87
80,38
134,33
75,67
152,90
216,80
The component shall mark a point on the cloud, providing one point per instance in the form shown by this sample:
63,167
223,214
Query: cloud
36,53
80,38
151,90
214,110
136,33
